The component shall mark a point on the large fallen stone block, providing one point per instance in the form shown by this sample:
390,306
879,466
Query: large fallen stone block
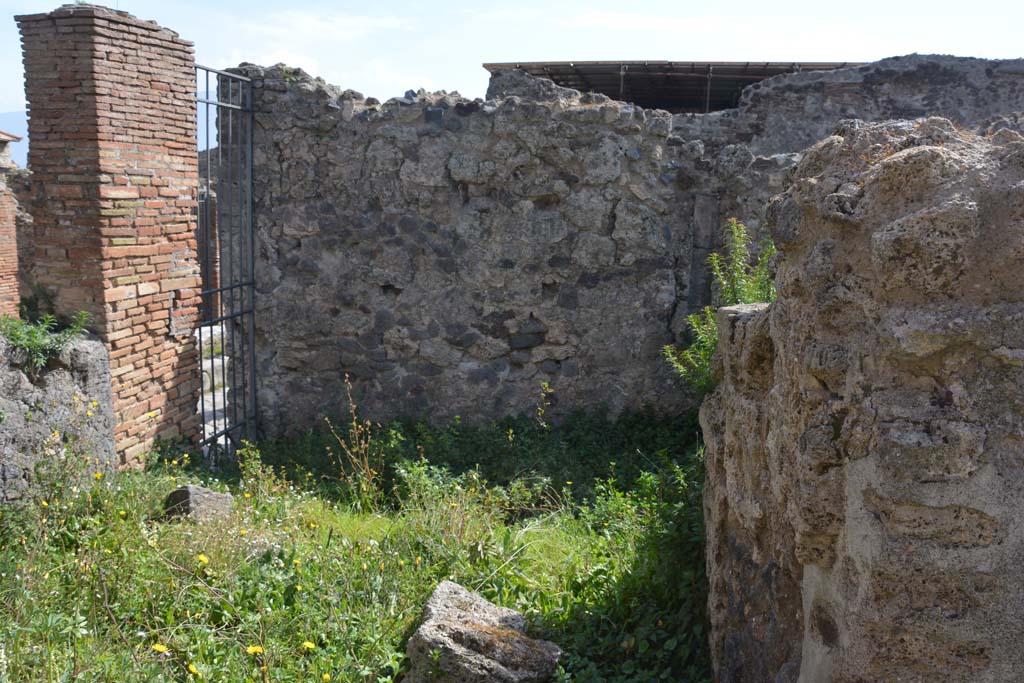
466,639
198,503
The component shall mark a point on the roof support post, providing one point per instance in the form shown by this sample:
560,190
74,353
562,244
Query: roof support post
707,92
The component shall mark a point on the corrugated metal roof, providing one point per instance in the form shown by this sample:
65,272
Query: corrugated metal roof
673,85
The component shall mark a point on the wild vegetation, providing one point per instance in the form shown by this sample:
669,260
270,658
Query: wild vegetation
37,341
591,528
739,278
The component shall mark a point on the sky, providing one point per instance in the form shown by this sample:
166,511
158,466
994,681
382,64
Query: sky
384,48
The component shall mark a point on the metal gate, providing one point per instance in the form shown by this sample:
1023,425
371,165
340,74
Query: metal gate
224,236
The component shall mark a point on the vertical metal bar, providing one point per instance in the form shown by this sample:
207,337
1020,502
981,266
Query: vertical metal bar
224,209
707,93
229,323
203,298
239,392
219,298
251,228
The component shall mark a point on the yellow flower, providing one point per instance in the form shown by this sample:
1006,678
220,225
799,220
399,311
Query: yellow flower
242,532
312,525
418,560
88,413
193,670
203,559
325,677
122,513
44,503
568,483
307,645
254,650
364,566
247,494
160,647
95,404
296,562
298,587
97,475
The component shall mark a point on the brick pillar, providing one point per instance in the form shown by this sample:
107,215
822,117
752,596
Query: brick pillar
114,173
8,250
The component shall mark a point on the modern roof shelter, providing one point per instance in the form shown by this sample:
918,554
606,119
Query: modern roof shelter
679,87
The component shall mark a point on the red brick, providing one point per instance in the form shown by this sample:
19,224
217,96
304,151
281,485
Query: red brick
112,151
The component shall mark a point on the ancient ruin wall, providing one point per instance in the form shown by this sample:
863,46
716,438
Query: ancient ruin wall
113,198
863,495
71,398
9,297
450,255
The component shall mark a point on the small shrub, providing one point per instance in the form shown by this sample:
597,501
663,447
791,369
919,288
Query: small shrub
738,279
39,342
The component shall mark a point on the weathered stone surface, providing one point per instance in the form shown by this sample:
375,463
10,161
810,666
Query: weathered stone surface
387,225
863,496
198,503
70,397
466,639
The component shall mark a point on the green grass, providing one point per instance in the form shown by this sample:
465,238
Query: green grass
313,575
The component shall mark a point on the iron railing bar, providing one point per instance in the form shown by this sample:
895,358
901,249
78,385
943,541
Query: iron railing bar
251,127
242,393
223,187
219,104
226,287
215,225
232,316
230,206
205,301
226,431
226,74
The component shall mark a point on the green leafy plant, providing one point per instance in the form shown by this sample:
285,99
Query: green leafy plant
590,527
739,278
38,342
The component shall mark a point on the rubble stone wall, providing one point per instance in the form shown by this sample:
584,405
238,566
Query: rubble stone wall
863,496
68,402
450,254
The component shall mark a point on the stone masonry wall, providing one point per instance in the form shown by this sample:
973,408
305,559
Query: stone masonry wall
451,254
112,153
71,398
863,498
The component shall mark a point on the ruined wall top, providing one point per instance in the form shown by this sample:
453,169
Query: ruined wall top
99,13
789,112
450,253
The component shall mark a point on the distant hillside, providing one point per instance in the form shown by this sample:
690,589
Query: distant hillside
16,122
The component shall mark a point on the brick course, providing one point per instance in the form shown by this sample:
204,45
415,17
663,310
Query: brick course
8,250
112,150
